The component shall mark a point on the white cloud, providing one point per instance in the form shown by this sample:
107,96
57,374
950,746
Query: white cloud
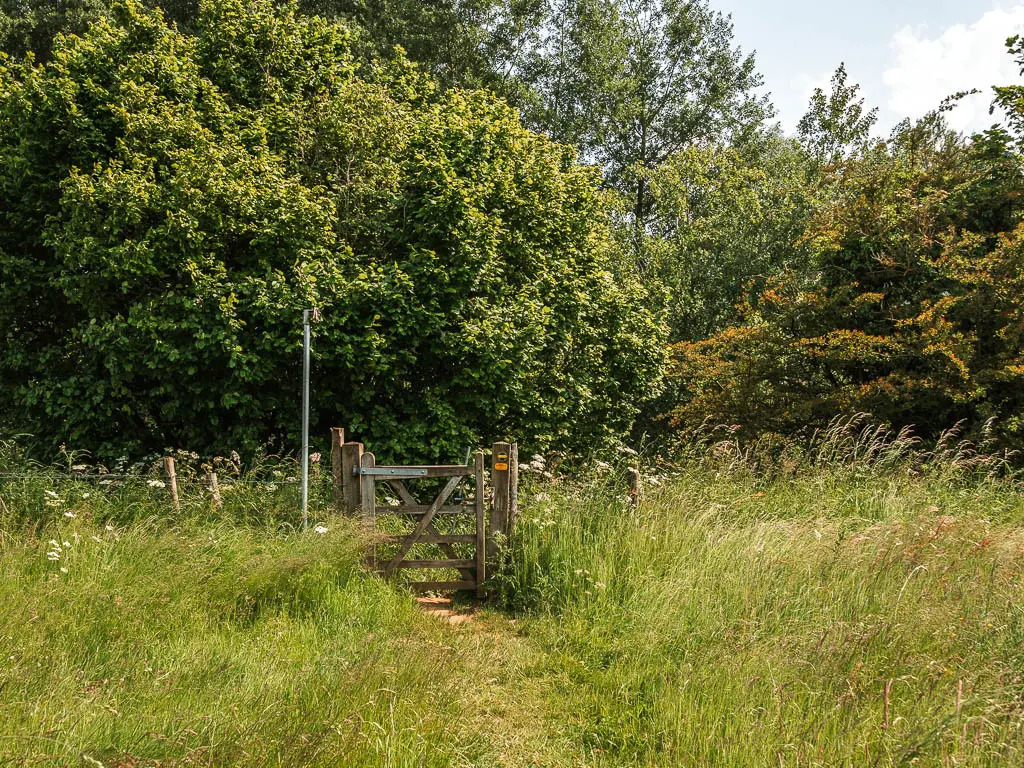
927,70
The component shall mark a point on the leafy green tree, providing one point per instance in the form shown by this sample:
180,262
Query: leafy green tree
726,222
633,83
170,203
1010,98
31,25
461,43
451,39
837,124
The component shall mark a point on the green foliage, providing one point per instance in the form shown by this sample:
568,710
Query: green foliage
912,312
837,124
725,223
631,83
454,40
32,26
1011,97
171,203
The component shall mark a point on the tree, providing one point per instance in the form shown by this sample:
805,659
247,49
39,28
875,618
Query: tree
450,39
726,222
913,312
31,25
461,43
632,83
1010,98
837,124
170,203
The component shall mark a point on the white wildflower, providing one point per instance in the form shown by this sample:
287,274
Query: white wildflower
79,467
156,483
71,514
85,495
52,494
67,544
63,569
321,529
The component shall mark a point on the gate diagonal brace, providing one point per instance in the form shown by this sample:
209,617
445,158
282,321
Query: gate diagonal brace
407,498
421,527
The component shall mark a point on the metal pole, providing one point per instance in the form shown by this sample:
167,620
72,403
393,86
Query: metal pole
305,419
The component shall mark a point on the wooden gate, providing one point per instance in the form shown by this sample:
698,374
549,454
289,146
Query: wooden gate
452,519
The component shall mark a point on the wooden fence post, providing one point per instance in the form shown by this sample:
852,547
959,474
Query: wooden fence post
368,506
636,487
351,459
214,488
499,497
172,481
337,489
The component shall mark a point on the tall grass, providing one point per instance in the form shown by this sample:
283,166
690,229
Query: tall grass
214,645
135,634
854,600
860,608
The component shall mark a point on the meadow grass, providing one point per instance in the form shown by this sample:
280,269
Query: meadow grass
819,609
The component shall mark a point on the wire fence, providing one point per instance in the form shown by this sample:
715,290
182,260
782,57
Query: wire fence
43,475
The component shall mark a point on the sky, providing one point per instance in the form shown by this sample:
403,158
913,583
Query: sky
907,55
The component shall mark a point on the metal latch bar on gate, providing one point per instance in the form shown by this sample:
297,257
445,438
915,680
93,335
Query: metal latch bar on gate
395,473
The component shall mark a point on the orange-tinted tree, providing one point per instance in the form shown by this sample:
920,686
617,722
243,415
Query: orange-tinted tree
913,311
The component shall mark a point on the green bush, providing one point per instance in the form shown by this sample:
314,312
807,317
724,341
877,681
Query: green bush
169,204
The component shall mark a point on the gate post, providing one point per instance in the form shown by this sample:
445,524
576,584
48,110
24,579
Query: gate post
499,496
351,459
338,488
